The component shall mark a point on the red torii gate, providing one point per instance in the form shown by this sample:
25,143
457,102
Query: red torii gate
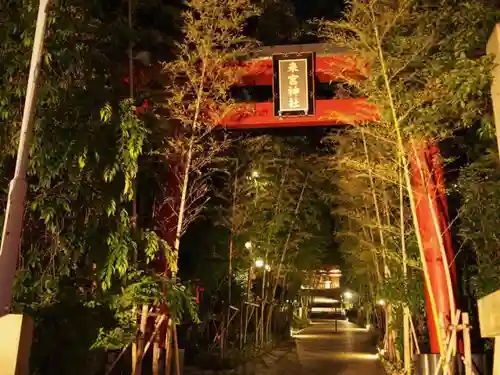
330,66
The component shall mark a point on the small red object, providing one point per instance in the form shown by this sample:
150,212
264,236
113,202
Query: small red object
199,290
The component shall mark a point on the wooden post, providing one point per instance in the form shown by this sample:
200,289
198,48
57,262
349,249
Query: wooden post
489,323
496,357
241,325
467,344
168,348
414,336
137,365
223,334
256,327
133,351
15,344
176,351
445,360
406,340
156,355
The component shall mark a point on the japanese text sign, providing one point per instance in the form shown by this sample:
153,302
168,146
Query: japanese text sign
293,84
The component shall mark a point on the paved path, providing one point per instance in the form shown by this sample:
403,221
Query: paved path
350,351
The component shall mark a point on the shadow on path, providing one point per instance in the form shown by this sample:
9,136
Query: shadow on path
350,351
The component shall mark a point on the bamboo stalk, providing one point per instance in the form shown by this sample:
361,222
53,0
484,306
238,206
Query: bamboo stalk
375,202
406,311
285,247
134,201
388,310
231,244
188,162
374,255
400,144
414,336
117,359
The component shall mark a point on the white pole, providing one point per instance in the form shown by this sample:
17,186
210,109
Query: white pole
11,235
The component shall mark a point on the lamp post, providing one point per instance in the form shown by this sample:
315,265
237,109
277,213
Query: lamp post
15,339
11,234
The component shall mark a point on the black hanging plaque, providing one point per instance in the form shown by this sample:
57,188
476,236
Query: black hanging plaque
293,84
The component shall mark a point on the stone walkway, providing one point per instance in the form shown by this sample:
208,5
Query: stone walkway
319,350
322,351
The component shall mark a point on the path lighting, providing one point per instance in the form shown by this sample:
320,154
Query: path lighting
248,245
259,263
381,302
348,295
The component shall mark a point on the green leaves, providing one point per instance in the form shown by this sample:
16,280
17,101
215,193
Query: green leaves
142,288
436,86
106,113
121,247
80,243
478,185
130,143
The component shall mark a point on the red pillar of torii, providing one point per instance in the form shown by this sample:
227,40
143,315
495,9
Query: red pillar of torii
427,172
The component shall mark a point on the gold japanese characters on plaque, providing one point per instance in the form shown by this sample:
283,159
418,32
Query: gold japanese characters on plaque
293,84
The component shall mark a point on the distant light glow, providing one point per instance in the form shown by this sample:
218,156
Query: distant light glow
324,300
348,295
267,267
347,356
318,309
255,174
259,263
248,245
381,302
